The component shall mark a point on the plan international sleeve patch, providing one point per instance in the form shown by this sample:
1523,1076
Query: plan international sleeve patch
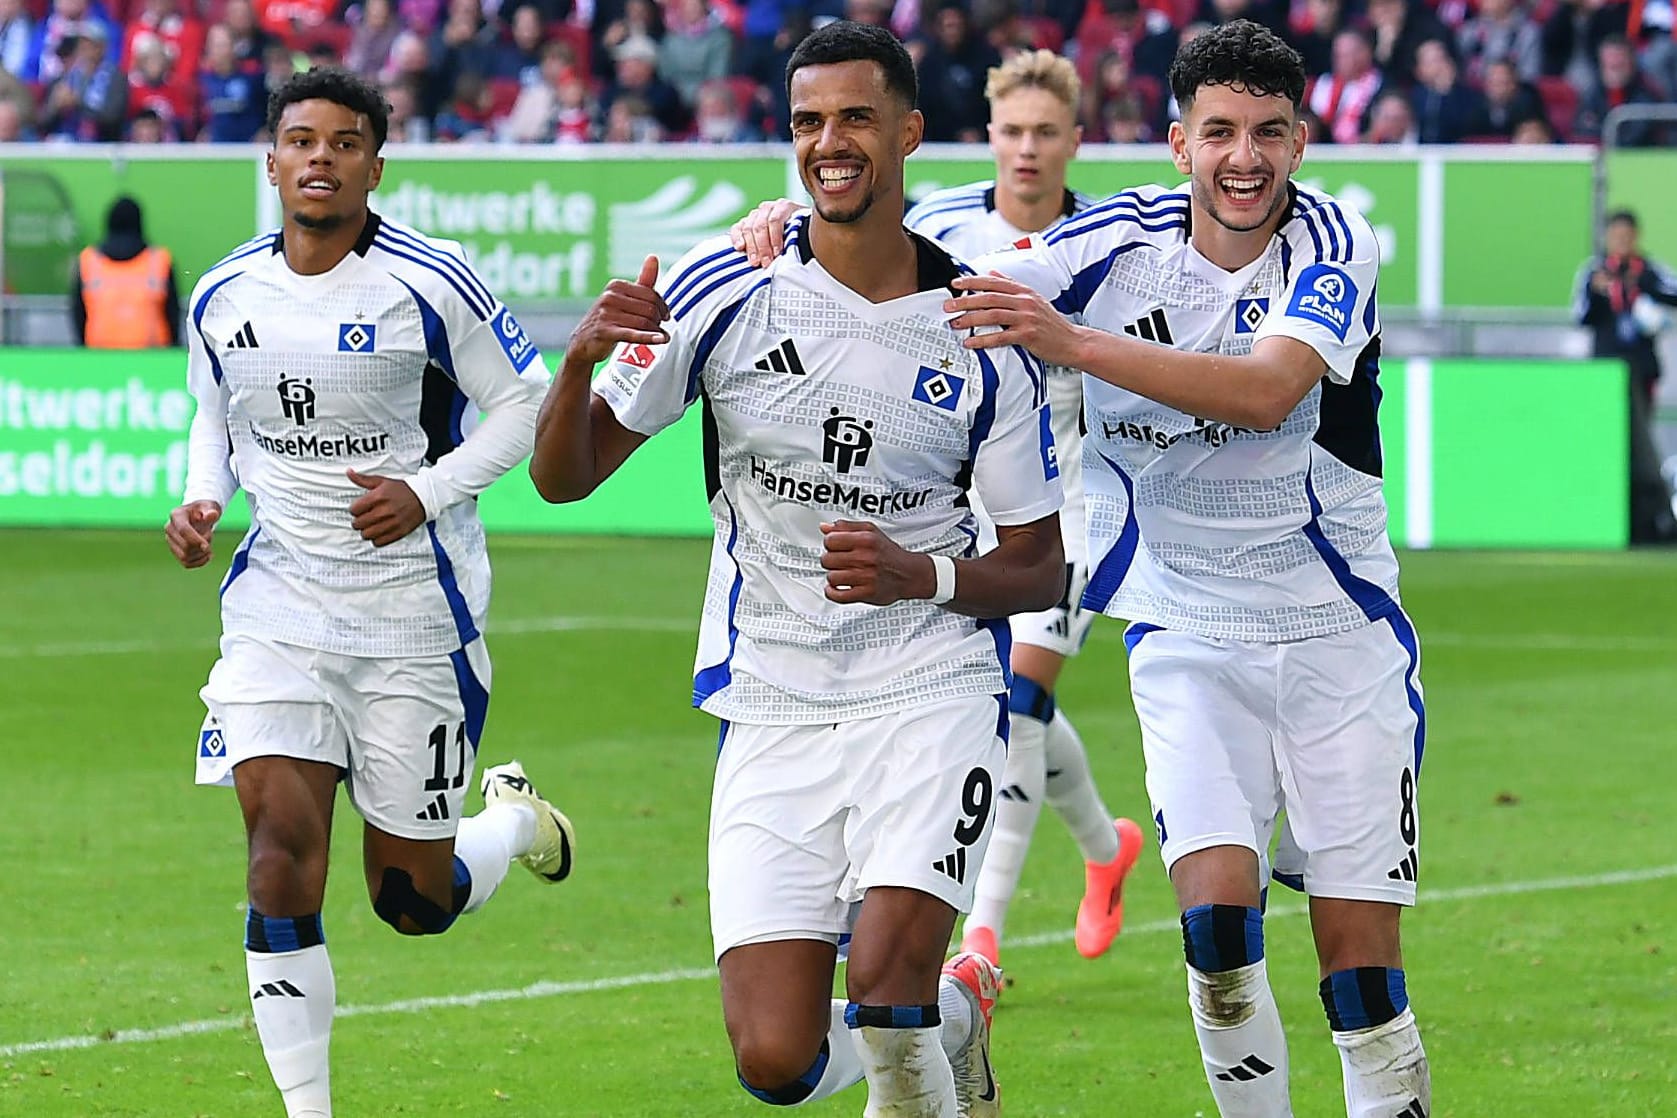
520,350
1326,296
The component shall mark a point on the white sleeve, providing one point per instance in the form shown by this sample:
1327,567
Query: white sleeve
209,454
497,368
1042,267
1016,473
649,387
1328,303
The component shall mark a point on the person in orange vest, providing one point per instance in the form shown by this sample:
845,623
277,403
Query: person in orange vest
123,293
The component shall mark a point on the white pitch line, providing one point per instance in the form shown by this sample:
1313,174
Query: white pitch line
697,974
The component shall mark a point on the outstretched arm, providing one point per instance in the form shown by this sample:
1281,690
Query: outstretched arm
579,441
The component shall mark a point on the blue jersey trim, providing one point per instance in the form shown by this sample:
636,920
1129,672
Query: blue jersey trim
1115,564
198,310
463,622
697,296
708,341
708,681
445,259
241,560
387,246
1075,298
699,271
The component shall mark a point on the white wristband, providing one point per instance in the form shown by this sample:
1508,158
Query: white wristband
943,568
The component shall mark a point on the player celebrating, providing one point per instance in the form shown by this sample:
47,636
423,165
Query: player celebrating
335,363
844,640
1034,135
1235,504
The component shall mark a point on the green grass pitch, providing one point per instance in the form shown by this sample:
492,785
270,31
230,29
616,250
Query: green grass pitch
1542,959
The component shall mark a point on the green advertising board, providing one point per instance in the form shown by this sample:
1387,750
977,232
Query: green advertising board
1640,180
91,438
548,226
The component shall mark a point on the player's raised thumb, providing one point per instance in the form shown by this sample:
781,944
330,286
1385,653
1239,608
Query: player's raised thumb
363,480
203,514
649,272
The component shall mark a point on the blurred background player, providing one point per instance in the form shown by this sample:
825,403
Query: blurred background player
123,293
860,684
339,359
1234,500
1034,135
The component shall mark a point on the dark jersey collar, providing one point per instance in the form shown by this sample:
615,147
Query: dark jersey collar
934,268
362,243
1068,201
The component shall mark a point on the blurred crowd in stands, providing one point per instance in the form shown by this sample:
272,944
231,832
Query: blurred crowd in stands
585,71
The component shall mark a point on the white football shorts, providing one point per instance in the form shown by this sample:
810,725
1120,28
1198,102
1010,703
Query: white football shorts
804,820
1329,730
405,731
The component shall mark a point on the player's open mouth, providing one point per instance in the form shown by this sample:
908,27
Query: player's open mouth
319,187
1242,190
837,180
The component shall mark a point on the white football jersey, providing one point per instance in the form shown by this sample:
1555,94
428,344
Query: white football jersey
379,365
822,406
965,219
1197,525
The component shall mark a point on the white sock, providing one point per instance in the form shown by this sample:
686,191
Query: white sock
1017,807
908,1074
844,1063
954,1005
488,842
1241,1041
1071,792
292,996
1386,1073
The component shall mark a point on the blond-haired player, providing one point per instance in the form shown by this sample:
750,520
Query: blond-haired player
1034,135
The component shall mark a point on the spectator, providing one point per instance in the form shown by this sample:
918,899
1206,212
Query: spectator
1619,82
1313,34
15,126
637,77
1397,30
1445,108
1502,29
1124,120
278,65
152,88
718,117
464,43
521,58
375,31
1573,34
695,48
46,61
762,49
1144,38
952,77
1269,13
287,18
638,19
1313,127
1342,96
1533,130
468,113
148,127
123,293
250,42
405,127
578,120
180,34
410,62
1114,82
17,30
88,100
1391,120
1624,298
1508,101
533,115
235,103
629,120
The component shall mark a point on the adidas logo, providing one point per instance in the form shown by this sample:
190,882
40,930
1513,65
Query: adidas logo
280,989
782,359
1247,1070
244,339
1015,793
1408,869
1153,328
1413,1110
436,809
953,866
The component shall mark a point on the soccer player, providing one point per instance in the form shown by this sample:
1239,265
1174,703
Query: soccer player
1234,500
850,641
337,365
1034,135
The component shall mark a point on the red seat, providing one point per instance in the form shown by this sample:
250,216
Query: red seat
503,92
1560,101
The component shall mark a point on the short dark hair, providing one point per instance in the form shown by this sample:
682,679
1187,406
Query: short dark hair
1625,216
1239,54
339,86
844,41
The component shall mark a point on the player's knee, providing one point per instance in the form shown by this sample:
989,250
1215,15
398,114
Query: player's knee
285,870
402,906
1223,943
1363,997
777,1071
